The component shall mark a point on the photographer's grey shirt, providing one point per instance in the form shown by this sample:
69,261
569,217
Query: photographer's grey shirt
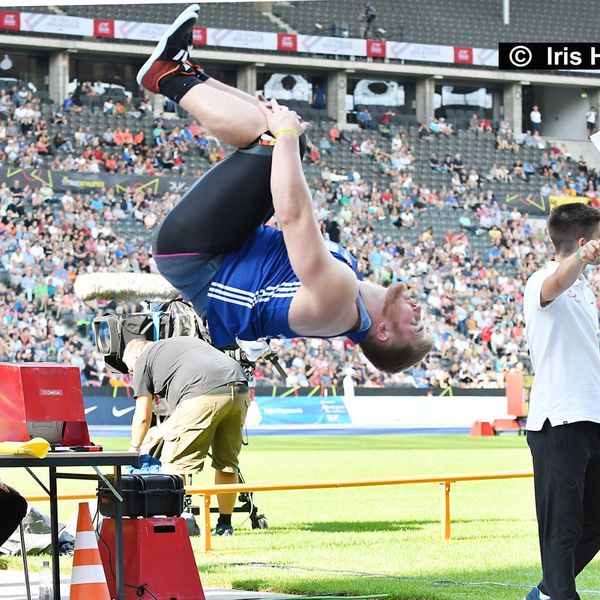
182,367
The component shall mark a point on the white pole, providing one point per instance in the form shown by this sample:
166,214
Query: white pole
506,11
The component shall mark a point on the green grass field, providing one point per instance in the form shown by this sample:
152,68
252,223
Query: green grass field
380,540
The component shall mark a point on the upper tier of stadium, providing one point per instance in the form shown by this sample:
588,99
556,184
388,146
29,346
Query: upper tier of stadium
476,23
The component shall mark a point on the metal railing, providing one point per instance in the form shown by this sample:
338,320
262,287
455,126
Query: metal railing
445,482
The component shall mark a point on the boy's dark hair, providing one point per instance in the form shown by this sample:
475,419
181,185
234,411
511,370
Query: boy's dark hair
570,222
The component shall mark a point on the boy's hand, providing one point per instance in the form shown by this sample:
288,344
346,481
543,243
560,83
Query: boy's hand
589,253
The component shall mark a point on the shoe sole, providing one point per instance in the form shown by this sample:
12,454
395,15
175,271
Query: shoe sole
191,12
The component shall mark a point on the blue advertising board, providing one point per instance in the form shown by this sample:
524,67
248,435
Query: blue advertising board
106,410
302,410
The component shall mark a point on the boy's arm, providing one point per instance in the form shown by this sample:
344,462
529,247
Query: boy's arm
568,271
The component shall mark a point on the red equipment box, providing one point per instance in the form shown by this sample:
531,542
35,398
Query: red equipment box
42,399
481,428
158,558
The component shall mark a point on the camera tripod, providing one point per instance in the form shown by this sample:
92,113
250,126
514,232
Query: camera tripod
246,500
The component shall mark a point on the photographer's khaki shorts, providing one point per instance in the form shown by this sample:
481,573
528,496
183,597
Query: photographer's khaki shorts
214,421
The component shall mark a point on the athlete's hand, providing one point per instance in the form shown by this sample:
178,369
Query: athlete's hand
589,253
281,117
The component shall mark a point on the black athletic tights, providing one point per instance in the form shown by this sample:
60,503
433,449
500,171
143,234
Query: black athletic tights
224,207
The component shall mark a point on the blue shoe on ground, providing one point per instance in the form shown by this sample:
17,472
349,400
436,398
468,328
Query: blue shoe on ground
535,594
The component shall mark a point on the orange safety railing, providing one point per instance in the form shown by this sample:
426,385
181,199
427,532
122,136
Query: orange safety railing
445,482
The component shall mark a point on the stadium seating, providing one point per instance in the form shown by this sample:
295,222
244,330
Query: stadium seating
480,22
224,15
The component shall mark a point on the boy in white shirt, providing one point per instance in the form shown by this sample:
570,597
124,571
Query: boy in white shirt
563,426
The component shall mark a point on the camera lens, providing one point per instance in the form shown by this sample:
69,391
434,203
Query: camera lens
103,337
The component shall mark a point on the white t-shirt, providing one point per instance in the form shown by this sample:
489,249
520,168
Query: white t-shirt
591,116
535,116
563,345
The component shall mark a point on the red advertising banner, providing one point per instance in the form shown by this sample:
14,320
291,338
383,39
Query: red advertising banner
287,42
10,20
463,55
376,48
104,28
199,36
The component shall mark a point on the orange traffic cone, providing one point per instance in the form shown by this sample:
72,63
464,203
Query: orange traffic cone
88,581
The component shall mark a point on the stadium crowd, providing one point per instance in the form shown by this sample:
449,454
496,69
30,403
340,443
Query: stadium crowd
472,299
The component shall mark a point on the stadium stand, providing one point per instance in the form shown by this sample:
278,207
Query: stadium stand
441,206
427,21
463,250
234,15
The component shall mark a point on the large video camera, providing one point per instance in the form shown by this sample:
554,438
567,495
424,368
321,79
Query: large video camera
113,332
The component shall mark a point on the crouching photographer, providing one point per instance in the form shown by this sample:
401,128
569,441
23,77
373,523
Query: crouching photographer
203,396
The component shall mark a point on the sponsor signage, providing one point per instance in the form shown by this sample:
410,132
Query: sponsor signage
104,28
376,48
61,24
199,36
60,181
10,20
287,42
257,40
104,408
463,56
302,410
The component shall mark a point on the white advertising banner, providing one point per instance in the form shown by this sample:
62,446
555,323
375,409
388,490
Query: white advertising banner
485,56
424,411
259,40
236,38
332,45
420,52
56,24
131,30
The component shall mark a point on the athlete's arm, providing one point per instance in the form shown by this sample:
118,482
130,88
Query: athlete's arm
141,420
330,283
568,271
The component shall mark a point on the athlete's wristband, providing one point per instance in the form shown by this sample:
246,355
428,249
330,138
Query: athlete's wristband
579,253
286,130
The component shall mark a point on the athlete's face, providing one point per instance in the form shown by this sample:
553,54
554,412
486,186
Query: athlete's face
403,313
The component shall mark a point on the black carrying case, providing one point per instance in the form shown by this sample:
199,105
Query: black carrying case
149,495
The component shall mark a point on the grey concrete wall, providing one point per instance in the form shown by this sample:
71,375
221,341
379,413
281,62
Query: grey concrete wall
513,106
246,79
337,86
424,99
563,112
58,78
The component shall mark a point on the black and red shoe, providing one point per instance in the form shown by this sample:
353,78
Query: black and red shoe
171,55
